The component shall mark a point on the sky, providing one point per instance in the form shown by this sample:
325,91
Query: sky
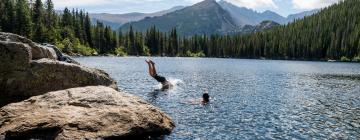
283,7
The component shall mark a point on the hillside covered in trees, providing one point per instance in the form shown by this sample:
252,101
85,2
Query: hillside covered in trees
333,33
71,31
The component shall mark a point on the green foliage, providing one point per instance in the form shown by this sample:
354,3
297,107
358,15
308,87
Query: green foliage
120,51
7,16
60,46
68,46
83,50
38,19
198,54
75,47
356,59
345,59
146,51
71,31
23,24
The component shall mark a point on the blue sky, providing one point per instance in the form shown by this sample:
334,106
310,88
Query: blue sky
283,7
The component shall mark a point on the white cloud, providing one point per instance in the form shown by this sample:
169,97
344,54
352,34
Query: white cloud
254,3
312,4
77,3
125,6
243,3
247,3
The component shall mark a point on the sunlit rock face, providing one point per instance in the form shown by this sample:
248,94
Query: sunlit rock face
94,112
29,69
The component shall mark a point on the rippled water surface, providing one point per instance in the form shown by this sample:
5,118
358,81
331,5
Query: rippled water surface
251,99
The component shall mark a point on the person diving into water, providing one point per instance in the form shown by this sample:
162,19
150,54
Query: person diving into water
152,71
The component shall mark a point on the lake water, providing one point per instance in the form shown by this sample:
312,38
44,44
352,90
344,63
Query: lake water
251,99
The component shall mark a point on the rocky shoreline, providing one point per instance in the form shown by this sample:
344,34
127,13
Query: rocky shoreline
45,94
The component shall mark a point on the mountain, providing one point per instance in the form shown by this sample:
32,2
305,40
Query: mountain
116,20
272,16
266,25
241,15
332,33
113,25
211,17
263,26
301,15
206,17
165,11
244,16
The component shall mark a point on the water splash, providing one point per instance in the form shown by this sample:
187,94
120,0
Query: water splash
175,82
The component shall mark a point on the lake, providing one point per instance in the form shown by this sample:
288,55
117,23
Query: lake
250,99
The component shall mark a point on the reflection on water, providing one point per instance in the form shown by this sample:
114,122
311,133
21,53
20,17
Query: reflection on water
251,99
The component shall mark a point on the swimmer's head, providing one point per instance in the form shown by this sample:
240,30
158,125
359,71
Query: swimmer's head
206,97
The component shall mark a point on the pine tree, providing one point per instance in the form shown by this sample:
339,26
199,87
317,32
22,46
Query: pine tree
23,19
50,21
66,19
174,42
131,41
38,20
50,16
3,15
8,16
87,28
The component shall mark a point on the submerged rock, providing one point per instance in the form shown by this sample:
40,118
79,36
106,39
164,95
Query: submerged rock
29,69
94,112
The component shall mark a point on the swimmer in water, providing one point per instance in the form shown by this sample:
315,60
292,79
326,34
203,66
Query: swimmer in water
152,71
206,99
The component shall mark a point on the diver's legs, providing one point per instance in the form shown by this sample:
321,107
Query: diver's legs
153,67
151,72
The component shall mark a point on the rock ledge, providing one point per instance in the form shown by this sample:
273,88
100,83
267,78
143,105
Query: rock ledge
94,112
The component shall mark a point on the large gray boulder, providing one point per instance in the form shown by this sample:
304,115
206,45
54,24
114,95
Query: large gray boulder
47,75
94,112
29,69
14,56
38,51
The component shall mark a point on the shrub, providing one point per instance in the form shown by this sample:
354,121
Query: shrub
83,50
120,51
60,46
356,59
146,51
198,54
70,48
345,59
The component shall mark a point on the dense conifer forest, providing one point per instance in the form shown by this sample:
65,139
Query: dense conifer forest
333,33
